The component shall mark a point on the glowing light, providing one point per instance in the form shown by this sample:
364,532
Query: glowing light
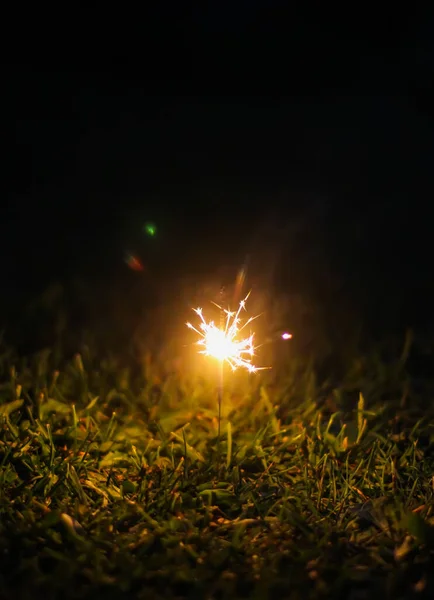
286,336
239,283
225,343
150,229
134,263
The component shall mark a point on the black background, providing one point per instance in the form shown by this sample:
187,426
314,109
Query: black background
302,141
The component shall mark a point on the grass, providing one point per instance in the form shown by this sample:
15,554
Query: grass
112,482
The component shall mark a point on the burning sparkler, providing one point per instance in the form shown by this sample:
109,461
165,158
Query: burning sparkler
226,343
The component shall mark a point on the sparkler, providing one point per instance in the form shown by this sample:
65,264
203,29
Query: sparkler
226,343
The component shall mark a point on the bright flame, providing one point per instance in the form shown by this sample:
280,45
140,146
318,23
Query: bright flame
224,343
286,336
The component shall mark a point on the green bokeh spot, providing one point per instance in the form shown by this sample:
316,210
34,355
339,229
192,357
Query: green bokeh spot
150,229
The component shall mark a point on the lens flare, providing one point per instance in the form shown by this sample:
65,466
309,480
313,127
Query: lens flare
226,343
150,229
134,262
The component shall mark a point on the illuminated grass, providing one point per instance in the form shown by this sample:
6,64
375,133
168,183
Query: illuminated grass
110,484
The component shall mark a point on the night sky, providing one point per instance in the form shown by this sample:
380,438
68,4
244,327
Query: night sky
304,144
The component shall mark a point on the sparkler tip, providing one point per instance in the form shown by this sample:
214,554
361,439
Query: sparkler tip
225,343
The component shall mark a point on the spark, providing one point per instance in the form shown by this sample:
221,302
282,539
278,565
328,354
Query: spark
225,343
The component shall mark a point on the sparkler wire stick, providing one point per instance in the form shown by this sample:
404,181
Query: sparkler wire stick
226,344
220,384
220,401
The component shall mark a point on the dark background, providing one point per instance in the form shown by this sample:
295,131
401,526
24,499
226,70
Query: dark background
303,143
